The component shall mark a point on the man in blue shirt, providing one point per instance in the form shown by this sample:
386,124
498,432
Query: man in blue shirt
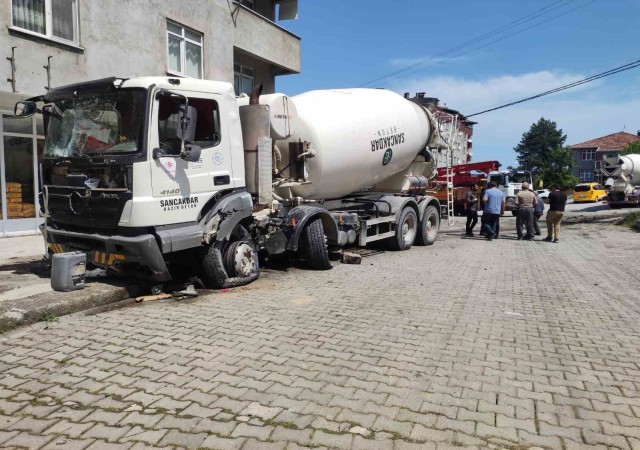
494,204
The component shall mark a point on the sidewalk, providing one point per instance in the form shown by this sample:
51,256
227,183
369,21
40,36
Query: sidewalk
25,288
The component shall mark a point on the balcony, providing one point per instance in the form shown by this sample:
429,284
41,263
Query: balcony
267,41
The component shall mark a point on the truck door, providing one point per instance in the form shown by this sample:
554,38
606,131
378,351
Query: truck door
172,176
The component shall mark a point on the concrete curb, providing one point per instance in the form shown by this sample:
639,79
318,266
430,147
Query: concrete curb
50,305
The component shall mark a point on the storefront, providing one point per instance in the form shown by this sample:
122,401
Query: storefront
21,144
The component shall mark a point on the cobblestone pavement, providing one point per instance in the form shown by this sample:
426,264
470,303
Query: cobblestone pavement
468,343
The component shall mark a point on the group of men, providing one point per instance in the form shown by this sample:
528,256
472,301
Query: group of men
530,209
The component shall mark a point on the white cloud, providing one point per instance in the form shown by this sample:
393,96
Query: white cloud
583,113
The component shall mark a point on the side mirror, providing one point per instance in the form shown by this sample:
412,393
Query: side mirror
191,153
25,109
188,119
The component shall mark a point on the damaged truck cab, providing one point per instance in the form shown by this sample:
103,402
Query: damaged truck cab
147,174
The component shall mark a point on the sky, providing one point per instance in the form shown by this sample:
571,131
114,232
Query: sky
355,43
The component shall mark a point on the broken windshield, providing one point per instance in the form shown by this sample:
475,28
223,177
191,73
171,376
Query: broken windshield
96,124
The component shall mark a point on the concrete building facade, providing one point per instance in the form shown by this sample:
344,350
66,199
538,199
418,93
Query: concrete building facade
51,43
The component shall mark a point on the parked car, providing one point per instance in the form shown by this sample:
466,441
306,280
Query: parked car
588,192
544,194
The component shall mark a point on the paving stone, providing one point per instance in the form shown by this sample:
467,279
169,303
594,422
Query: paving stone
180,439
63,443
139,434
244,430
67,428
28,440
320,437
105,432
218,443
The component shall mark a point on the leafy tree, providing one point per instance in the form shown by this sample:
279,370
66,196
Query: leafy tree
633,147
556,170
536,145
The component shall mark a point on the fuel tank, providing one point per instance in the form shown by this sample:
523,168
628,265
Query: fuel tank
359,137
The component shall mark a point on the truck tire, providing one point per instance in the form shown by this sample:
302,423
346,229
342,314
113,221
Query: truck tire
315,245
406,230
223,267
428,227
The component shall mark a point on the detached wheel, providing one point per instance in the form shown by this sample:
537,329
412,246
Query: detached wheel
428,227
241,259
230,262
406,230
315,245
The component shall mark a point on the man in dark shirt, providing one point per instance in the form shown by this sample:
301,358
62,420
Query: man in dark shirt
472,211
557,202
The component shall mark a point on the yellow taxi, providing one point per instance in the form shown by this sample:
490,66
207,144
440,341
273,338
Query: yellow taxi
588,192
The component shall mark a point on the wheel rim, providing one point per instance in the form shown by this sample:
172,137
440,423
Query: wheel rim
432,224
244,260
409,230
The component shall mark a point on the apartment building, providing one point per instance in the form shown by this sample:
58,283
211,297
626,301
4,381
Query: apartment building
588,156
50,43
456,131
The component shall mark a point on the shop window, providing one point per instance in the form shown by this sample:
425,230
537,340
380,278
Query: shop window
18,164
243,79
53,19
184,51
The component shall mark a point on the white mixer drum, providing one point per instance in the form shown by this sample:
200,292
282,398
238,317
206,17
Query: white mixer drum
361,136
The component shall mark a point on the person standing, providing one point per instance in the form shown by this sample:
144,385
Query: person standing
493,206
557,202
538,211
472,209
525,201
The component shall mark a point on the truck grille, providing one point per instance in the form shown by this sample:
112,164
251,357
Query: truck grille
80,207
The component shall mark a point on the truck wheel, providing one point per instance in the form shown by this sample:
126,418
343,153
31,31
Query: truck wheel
315,245
406,230
241,259
231,262
428,227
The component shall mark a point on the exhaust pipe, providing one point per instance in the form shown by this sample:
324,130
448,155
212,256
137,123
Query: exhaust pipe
254,99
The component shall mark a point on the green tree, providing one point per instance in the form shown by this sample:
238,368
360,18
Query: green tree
536,145
556,170
633,147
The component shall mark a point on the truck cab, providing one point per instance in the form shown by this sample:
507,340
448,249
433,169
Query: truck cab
510,183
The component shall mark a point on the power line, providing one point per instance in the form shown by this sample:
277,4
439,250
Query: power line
615,70
521,21
494,41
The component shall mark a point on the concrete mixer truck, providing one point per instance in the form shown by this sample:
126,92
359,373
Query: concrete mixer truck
623,180
147,175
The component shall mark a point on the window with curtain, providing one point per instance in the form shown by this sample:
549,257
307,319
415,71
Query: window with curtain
53,19
184,51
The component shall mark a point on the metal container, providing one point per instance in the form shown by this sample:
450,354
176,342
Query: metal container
282,113
68,270
360,138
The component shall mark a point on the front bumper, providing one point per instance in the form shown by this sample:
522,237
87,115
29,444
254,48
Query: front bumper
112,252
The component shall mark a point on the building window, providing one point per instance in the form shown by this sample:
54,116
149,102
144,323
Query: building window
586,175
184,50
243,78
53,19
248,3
589,154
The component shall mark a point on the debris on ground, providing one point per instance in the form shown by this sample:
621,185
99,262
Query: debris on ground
351,258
